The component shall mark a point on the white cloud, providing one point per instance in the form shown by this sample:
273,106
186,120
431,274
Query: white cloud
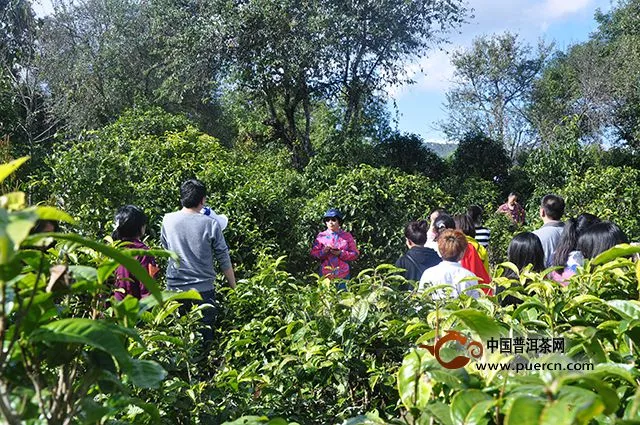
42,7
431,74
556,9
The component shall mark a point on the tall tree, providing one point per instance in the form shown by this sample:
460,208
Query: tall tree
618,35
571,95
291,53
595,83
101,57
25,119
492,85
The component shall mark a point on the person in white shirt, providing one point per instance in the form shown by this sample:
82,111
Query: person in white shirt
451,245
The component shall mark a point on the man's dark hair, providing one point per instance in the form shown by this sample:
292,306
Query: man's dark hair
192,192
416,232
553,206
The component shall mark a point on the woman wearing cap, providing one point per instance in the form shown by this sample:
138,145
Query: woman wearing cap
334,247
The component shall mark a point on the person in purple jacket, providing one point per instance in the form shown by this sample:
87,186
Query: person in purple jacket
334,248
129,226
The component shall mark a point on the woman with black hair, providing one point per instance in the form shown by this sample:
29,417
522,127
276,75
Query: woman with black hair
483,234
600,237
129,226
566,255
418,258
524,249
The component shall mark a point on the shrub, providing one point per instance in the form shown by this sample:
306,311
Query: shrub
408,153
481,157
610,193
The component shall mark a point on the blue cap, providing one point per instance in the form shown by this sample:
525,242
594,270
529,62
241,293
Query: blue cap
333,212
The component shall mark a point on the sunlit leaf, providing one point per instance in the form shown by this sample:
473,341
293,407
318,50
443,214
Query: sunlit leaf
7,169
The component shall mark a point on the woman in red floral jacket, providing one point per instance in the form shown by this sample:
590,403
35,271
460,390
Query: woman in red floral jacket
334,247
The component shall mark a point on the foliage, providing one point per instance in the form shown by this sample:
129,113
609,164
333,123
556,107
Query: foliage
617,37
594,81
377,203
408,153
610,193
569,94
271,207
309,352
282,63
471,191
480,156
492,83
599,326
26,124
60,357
502,231
302,350
101,58
157,152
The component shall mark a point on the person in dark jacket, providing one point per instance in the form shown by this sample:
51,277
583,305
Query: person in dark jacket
418,258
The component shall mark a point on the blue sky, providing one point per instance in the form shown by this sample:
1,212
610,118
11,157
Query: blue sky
420,105
565,22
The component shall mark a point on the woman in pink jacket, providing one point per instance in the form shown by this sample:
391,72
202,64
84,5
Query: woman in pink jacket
334,248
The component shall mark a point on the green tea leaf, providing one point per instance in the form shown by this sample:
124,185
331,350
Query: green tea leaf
628,309
524,410
464,407
130,263
51,213
146,373
414,388
7,169
622,250
478,322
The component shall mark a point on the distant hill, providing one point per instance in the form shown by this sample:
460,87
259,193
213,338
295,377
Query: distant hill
442,149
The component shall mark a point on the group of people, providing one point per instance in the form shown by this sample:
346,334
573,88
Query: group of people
448,253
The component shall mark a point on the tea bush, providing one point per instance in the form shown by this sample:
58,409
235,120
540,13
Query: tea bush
610,193
377,203
300,349
143,158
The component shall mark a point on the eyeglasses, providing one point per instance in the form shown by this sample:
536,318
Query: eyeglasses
331,219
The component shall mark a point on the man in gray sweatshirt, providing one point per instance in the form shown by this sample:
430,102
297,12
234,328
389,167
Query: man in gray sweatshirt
551,211
196,239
